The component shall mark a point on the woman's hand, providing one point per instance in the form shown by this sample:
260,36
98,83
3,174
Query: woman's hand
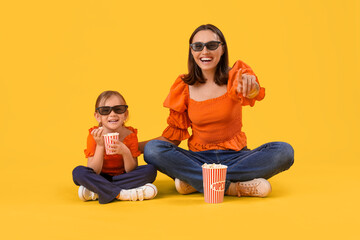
247,85
98,136
118,147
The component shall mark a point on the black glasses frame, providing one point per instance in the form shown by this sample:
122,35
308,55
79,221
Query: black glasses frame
193,45
106,110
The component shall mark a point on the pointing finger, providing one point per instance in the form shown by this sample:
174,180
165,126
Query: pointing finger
250,85
239,75
245,84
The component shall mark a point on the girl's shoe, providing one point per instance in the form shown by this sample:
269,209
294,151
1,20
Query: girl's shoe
183,187
86,195
258,187
148,191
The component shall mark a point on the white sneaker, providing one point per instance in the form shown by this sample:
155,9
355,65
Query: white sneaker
148,191
86,195
258,187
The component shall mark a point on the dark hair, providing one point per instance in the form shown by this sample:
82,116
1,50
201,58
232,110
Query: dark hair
222,69
106,95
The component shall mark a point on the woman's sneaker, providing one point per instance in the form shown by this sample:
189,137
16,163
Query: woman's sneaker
183,187
86,195
258,187
146,192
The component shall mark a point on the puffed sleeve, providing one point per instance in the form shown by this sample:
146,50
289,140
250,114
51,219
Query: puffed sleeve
90,144
233,83
131,141
178,120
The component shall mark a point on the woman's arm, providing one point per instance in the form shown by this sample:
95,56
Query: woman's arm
142,144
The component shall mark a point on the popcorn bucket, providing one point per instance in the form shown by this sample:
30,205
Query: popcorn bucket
108,140
214,176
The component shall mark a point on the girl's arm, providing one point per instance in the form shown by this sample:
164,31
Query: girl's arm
96,162
118,147
143,143
130,162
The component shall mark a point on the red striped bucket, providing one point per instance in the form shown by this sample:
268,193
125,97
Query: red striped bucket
214,183
108,140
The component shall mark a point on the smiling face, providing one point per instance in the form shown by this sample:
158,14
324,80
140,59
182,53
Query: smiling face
112,122
207,59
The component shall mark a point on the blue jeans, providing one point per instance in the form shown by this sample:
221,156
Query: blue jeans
262,162
108,187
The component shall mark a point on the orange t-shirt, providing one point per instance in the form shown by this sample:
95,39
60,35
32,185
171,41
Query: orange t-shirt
216,123
114,164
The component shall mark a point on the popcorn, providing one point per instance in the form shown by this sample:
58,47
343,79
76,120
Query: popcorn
205,165
111,134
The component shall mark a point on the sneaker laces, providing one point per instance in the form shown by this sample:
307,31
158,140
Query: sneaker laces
247,188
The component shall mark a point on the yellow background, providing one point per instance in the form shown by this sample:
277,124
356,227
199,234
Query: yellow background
57,56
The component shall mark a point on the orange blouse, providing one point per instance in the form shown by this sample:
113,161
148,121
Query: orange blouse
216,123
114,164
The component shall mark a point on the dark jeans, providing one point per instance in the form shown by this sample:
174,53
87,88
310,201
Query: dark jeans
108,187
262,162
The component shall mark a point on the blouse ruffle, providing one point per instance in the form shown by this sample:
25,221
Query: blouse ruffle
90,143
236,143
178,121
131,141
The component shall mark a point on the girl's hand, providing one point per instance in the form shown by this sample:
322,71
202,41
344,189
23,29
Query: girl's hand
98,136
247,85
118,147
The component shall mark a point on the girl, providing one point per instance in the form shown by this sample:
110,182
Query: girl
115,175
209,100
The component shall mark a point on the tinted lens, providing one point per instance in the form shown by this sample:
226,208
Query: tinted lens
104,110
212,45
198,46
120,108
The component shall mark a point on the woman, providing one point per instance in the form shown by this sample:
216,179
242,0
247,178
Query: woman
209,99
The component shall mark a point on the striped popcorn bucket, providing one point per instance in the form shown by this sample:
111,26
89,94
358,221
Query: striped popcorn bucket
214,183
108,140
